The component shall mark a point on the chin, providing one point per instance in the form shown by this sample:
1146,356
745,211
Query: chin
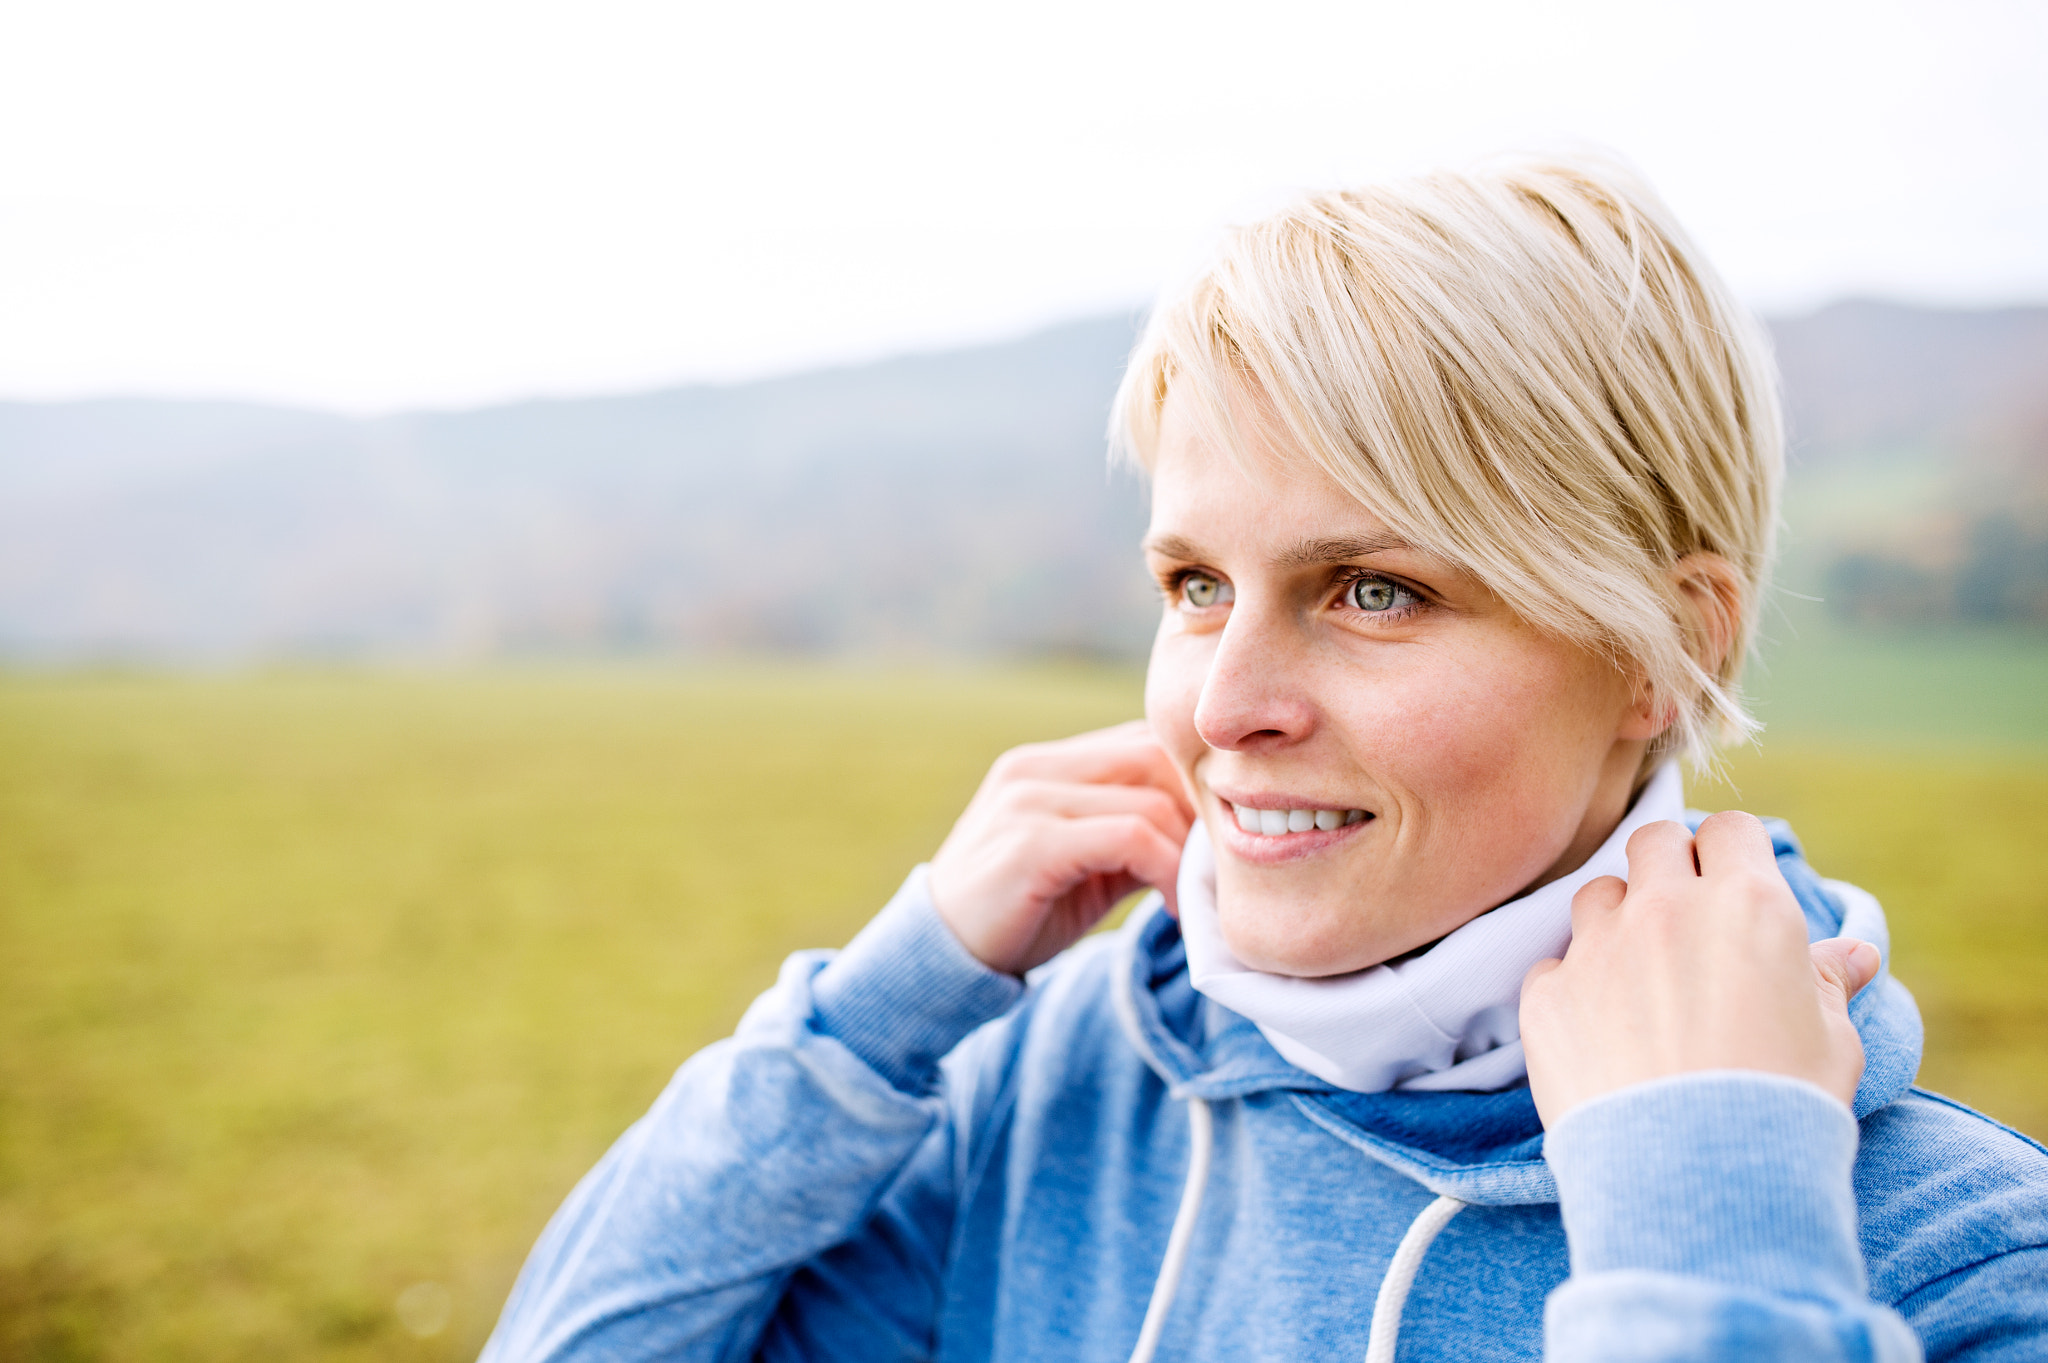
1306,941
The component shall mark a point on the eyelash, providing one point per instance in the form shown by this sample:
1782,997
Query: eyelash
1174,585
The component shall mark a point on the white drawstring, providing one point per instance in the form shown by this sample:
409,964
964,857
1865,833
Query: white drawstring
1386,1312
1200,1139
1387,1308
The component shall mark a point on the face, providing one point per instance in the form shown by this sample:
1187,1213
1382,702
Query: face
1380,748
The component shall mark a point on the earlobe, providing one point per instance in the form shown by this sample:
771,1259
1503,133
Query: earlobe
1649,714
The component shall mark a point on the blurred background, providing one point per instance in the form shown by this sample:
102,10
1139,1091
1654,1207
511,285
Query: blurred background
513,517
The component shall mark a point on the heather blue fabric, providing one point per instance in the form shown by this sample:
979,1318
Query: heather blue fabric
824,1186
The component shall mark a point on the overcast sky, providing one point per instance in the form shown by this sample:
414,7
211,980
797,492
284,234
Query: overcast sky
376,205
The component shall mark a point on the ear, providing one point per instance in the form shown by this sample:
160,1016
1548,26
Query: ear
1709,594
1709,591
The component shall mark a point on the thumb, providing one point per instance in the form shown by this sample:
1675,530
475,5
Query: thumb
1844,965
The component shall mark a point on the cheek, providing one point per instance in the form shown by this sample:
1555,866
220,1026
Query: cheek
1173,687
1496,717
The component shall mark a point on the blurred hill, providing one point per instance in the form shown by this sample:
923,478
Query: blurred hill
953,503
1920,462
1866,378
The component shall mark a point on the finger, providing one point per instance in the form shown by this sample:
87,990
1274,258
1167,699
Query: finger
1660,851
1138,759
1537,972
1119,844
1733,841
1116,742
1074,800
1125,755
1845,965
1596,900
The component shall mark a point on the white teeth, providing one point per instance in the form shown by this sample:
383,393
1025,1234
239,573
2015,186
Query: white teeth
1274,822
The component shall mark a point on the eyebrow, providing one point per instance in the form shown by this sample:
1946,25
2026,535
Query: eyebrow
1304,554
1312,553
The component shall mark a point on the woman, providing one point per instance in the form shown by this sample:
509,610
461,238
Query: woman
1446,1031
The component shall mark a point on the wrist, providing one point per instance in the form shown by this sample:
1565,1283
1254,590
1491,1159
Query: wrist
1740,1177
906,990
974,936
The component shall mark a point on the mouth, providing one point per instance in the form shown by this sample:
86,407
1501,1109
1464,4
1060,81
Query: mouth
1265,828
1279,823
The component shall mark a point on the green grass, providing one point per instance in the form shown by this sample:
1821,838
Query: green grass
317,987
1945,687
1953,847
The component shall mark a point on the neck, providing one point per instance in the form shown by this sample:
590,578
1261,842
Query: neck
1620,778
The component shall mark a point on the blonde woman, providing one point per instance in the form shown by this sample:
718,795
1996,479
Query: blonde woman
1448,1034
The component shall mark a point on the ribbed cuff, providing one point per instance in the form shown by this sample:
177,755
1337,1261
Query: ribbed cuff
905,992
1735,1176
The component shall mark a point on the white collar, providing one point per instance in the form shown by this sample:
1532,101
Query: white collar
1445,1019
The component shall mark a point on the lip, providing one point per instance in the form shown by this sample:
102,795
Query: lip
1272,849
1278,800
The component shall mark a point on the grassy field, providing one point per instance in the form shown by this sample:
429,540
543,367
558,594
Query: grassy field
317,992
1938,690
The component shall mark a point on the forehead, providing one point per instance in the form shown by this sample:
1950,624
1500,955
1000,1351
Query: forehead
1264,488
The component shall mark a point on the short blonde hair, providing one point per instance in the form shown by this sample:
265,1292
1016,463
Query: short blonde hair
1527,370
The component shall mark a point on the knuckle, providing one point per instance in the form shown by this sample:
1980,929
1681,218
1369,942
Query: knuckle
1010,764
1757,885
1158,802
1654,906
1144,831
1766,896
1014,795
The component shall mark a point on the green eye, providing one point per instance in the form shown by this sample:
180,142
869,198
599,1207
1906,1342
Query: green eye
1200,590
1375,594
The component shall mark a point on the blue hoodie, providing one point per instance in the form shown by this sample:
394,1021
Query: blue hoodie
904,1155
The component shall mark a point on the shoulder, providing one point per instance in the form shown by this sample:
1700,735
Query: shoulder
1941,1189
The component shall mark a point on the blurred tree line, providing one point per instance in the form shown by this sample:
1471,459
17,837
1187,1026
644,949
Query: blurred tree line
1997,574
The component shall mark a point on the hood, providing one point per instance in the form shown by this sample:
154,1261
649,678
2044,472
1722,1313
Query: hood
1484,1148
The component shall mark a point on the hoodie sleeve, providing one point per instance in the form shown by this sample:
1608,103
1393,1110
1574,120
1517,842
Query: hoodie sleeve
1712,1216
765,1151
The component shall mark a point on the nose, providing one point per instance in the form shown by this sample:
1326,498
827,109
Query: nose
1253,696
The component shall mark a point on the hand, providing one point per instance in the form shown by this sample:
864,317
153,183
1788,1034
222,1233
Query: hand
1699,961
1057,834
